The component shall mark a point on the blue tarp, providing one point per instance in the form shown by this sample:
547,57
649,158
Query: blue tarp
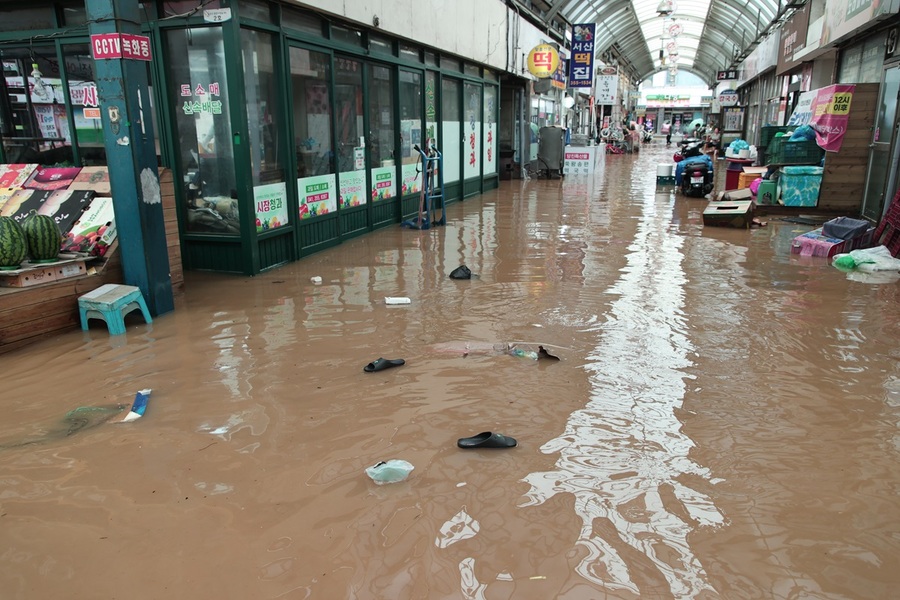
679,168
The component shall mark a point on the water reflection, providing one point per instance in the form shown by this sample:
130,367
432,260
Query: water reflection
623,456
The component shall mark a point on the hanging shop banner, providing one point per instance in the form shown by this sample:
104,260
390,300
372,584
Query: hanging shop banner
271,205
543,60
607,85
827,110
844,17
353,185
581,65
316,195
383,187
558,79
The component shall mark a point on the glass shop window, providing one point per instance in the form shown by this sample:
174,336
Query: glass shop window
379,43
410,130
316,181
255,10
33,118
198,91
346,35
85,103
264,136
301,21
410,53
25,19
187,8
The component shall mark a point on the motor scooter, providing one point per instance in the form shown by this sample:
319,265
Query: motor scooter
697,178
688,148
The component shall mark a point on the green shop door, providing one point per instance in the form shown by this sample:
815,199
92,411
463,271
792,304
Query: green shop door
451,137
411,135
230,154
197,87
315,175
473,159
352,159
382,145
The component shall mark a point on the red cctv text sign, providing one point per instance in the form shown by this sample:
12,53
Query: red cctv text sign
120,45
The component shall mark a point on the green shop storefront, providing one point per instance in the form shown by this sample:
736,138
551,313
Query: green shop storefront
286,132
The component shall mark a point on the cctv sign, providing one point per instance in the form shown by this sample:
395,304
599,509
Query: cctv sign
120,45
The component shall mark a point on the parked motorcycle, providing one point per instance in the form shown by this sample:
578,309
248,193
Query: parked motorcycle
697,178
688,148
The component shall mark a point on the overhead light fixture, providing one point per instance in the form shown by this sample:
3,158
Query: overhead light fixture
665,8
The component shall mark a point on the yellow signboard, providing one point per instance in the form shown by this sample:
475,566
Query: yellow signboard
543,61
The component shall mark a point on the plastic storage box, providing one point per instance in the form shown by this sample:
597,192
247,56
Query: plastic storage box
799,186
845,228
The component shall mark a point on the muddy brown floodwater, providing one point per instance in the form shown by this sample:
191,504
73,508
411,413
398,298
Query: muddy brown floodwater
723,422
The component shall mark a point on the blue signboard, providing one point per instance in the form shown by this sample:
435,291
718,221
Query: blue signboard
581,65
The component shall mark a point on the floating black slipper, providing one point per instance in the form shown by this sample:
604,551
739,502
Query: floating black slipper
383,363
487,439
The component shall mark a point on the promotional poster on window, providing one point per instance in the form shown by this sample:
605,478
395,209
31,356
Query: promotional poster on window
383,185
353,185
271,206
317,195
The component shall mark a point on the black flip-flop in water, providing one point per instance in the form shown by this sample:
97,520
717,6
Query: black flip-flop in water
487,439
381,364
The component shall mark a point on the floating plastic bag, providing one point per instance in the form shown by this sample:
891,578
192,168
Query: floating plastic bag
868,260
390,471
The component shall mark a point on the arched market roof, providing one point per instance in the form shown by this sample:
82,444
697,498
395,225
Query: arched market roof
699,36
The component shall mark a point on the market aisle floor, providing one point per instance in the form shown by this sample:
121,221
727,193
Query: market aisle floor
722,424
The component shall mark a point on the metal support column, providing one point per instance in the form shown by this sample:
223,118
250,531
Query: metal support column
130,149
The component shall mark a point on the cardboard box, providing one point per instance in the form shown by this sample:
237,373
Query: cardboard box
27,277
29,274
816,244
734,195
729,214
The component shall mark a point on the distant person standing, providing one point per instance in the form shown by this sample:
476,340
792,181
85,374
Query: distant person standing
713,141
667,129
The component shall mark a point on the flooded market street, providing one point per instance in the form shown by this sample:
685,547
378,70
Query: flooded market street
723,422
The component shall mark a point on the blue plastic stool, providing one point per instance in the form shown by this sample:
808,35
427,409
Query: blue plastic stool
111,302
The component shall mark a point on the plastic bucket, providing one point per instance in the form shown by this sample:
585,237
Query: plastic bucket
745,153
664,170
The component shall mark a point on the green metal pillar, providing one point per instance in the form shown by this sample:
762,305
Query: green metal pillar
130,148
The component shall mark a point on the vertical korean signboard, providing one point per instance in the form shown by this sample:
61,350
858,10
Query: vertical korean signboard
581,65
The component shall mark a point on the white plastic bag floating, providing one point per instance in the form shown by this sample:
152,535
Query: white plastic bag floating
391,471
868,260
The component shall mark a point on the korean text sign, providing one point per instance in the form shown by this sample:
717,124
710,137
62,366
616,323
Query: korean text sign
543,61
581,65
120,45
827,110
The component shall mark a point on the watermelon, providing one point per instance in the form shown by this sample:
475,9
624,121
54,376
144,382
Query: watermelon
42,235
12,243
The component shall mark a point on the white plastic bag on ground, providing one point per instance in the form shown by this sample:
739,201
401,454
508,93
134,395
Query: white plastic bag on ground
868,260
